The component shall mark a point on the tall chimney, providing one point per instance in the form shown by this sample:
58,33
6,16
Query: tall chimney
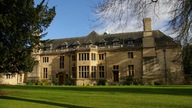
148,39
147,24
147,27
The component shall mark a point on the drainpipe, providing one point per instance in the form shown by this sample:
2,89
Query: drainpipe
106,65
165,66
69,74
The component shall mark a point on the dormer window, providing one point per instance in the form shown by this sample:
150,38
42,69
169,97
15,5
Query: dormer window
89,42
102,43
64,45
116,42
46,48
130,42
76,44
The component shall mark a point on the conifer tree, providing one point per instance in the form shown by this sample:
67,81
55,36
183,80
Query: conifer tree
20,22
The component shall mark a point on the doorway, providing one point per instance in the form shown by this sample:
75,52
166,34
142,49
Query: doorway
61,79
116,76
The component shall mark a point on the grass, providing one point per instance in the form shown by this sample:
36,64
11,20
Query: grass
96,96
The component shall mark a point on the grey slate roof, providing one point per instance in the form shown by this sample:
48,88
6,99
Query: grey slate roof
116,40
89,42
64,44
95,38
102,41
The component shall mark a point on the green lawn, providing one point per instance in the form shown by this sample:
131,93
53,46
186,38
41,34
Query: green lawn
96,96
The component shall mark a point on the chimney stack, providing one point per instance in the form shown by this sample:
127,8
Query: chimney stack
147,27
148,39
147,24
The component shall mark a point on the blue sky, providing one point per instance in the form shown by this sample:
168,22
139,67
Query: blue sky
72,18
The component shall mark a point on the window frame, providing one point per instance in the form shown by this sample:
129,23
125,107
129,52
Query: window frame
62,62
115,67
101,72
8,76
74,72
45,73
84,72
93,72
130,42
73,57
45,59
101,56
130,55
131,70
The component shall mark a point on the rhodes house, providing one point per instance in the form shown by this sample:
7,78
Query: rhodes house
148,56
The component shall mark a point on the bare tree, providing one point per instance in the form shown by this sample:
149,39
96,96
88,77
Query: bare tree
121,11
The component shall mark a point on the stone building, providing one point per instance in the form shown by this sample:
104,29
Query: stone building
11,78
148,56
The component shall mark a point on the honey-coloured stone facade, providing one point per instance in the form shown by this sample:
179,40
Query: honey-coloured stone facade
148,56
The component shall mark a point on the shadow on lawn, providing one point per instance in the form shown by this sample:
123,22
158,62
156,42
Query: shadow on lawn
136,90
41,102
162,90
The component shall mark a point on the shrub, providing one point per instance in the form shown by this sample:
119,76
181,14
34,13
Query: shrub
129,80
32,82
137,81
157,83
55,81
69,81
44,82
39,82
102,82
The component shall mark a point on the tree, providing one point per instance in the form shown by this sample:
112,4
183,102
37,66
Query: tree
121,11
187,62
20,22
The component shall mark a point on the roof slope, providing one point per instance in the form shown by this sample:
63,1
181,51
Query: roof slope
95,38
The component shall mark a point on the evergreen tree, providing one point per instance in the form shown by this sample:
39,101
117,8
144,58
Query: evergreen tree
20,23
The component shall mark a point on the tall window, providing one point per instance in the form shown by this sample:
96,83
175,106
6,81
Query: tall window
74,75
73,57
130,54
101,71
83,56
93,71
62,62
80,57
93,56
45,59
44,72
101,56
131,70
83,71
